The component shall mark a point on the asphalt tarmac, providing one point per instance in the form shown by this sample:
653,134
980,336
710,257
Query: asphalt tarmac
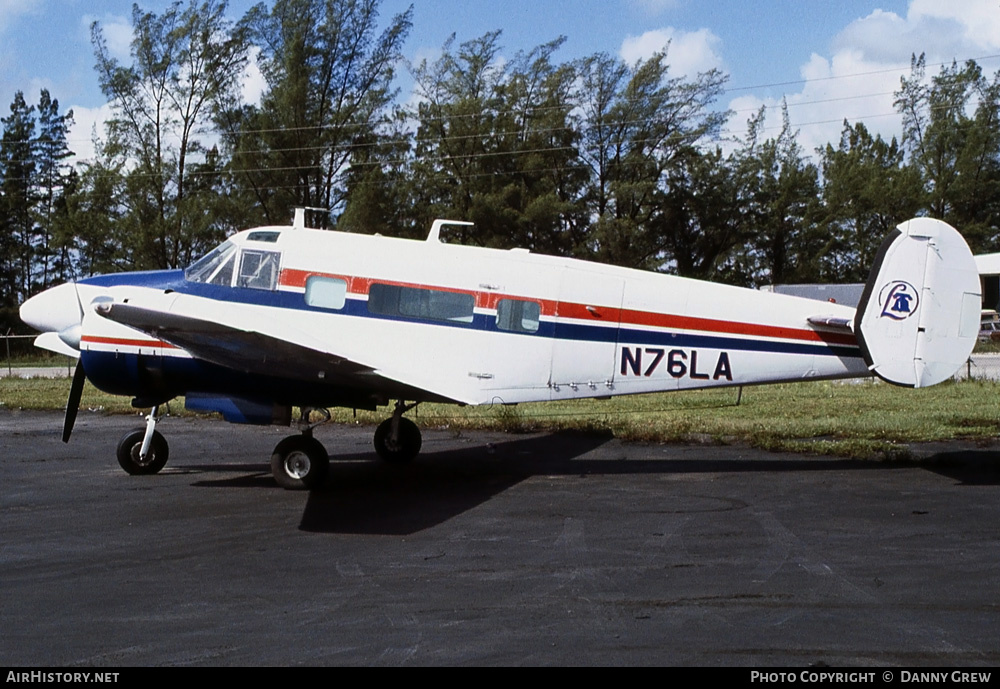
490,549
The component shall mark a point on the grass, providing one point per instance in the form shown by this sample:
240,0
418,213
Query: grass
46,394
987,347
863,420
866,419
36,359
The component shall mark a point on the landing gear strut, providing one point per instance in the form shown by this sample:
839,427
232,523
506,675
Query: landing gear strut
397,440
300,462
144,450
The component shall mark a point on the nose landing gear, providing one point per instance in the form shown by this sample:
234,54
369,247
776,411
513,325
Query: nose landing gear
143,450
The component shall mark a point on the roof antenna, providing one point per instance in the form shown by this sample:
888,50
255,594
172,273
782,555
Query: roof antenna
435,233
299,219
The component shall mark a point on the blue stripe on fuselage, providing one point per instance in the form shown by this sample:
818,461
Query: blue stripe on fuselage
579,332
164,279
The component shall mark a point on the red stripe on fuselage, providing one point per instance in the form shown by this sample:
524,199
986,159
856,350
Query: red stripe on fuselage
594,313
94,339
291,277
663,320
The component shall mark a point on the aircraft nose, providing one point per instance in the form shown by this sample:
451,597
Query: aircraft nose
54,310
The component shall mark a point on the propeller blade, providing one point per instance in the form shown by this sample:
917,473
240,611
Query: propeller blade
73,403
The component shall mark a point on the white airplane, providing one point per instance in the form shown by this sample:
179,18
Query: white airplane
283,316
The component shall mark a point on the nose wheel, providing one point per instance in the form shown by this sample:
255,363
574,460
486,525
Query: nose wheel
143,450
130,455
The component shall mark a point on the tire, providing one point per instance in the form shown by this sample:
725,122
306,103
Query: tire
299,462
128,453
405,449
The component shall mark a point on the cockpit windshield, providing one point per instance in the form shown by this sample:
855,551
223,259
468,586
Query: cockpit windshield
215,267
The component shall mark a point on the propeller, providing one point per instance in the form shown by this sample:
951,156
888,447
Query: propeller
58,313
73,403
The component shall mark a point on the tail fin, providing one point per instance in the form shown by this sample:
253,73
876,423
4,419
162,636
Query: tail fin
918,318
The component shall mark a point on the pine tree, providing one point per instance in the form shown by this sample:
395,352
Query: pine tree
53,261
18,164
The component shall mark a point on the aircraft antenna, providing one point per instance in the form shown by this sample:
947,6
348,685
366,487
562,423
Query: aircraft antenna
435,233
299,219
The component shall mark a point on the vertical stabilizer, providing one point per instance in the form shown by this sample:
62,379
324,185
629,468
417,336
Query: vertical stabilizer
918,318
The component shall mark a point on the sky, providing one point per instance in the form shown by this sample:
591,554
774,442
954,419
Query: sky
828,60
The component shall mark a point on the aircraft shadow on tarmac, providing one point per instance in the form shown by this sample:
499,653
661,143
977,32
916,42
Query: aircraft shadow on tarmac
365,496
967,467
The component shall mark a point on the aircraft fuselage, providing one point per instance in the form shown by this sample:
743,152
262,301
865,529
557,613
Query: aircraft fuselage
458,323
282,316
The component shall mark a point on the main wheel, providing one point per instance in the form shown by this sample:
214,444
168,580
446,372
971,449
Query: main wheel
404,448
130,446
299,462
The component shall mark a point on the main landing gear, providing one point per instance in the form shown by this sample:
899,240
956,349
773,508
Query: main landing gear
299,462
397,440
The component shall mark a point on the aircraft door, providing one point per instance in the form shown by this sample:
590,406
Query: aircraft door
585,341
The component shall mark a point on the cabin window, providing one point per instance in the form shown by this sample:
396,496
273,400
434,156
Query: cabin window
415,302
215,267
259,269
515,315
326,293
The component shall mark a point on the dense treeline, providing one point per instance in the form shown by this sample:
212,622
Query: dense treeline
592,158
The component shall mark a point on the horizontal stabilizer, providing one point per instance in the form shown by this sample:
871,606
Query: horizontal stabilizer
833,322
919,313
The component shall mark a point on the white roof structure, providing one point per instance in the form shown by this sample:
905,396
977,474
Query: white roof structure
988,264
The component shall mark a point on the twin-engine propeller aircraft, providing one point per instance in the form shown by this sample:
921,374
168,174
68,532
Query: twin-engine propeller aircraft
283,316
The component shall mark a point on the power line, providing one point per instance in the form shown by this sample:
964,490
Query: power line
887,70
573,106
520,134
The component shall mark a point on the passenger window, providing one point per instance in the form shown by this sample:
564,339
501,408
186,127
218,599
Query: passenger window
515,315
415,302
326,293
259,269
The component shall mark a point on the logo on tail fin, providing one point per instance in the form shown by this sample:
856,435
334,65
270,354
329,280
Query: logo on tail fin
899,300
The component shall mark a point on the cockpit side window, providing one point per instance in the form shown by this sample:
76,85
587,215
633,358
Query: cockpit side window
215,267
259,269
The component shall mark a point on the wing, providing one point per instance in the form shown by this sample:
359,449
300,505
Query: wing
253,352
